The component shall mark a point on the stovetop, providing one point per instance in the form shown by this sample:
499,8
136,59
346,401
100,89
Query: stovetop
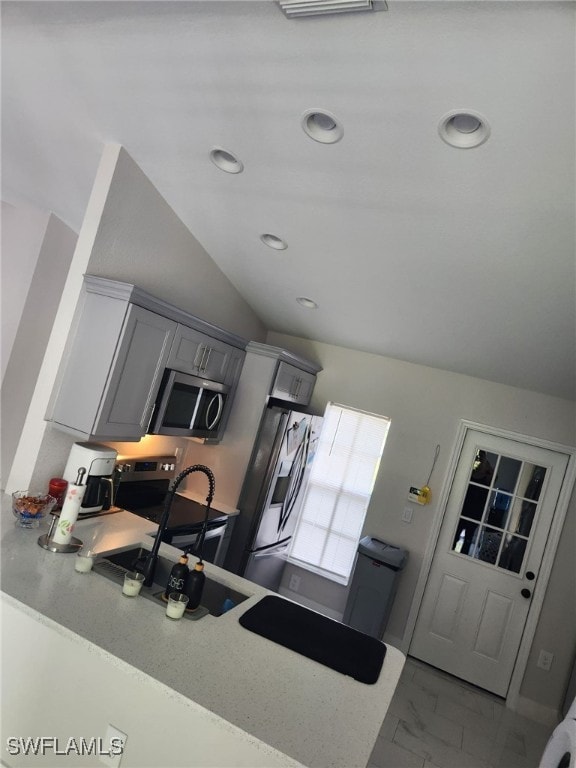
183,512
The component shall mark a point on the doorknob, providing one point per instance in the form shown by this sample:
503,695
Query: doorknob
530,575
525,593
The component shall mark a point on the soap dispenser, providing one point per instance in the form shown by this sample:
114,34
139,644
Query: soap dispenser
195,585
178,576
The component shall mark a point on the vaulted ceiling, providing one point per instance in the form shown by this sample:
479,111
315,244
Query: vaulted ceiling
458,258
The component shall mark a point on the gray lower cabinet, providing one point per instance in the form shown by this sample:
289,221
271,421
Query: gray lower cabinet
113,370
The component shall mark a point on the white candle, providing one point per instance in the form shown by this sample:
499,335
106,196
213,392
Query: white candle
83,563
175,608
132,586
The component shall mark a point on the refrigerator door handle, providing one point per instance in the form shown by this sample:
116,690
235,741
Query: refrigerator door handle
302,460
271,551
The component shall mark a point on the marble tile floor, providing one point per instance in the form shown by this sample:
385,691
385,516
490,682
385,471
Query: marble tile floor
437,721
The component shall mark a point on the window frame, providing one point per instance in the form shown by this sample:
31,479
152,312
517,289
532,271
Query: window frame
340,493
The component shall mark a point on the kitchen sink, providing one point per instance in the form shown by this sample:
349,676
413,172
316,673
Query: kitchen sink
217,598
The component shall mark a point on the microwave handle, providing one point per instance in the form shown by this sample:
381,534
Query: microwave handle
215,420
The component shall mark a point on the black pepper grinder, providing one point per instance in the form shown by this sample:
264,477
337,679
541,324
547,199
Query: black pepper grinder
178,576
195,585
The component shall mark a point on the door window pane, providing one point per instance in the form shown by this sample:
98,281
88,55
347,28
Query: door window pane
483,467
512,553
522,517
531,480
498,509
488,545
508,471
474,502
466,537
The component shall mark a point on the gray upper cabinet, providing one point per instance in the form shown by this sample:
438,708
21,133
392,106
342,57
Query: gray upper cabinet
293,384
278,373
201,355
121,341
113,370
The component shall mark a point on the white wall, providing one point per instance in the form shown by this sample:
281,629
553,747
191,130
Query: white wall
425,406
129,233
23,229
74,689
141,240
41,299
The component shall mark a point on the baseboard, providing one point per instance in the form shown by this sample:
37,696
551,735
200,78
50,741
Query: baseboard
538,712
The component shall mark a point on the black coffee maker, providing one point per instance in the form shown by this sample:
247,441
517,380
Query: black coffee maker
99,462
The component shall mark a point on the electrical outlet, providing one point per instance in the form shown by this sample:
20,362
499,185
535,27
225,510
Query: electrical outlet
407,515
545,660
116,742
294,583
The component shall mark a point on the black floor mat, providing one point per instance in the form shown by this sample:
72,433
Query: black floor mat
327,641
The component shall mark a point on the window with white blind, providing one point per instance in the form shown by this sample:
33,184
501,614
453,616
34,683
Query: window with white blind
339,487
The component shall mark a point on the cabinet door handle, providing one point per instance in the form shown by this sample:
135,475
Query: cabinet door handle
205,362
294,387
199,354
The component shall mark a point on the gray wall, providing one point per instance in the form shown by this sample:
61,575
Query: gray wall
130,233
141,240
425,406
39,310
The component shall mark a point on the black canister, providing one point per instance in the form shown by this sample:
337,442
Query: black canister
195,585
178,577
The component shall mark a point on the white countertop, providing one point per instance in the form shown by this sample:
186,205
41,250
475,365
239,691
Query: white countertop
307,711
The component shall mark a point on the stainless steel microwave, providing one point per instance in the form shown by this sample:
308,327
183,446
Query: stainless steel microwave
188,406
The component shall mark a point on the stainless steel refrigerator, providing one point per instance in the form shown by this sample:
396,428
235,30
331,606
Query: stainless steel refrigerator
272,493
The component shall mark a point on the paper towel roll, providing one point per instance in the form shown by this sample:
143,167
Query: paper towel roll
69,514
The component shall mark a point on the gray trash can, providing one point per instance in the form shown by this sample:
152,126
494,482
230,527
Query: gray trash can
373,586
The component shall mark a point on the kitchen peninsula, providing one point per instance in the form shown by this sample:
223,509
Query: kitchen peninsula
220,694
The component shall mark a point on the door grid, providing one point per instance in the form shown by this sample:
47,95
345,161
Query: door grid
499,510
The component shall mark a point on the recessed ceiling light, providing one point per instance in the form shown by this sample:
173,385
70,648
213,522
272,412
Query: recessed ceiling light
308,303
464,129
322,126
297,8
274,242
226,161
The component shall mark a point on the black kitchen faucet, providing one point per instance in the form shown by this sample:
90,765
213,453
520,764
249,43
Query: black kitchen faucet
148,566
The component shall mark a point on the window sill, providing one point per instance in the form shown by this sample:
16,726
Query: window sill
343,580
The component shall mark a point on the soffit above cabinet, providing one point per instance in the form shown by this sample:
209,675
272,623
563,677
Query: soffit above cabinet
283,355
134,295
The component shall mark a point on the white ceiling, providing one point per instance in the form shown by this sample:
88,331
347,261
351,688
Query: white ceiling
459,259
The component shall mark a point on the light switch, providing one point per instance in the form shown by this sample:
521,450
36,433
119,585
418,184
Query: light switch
407,515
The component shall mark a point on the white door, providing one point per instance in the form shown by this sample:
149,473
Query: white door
491,544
